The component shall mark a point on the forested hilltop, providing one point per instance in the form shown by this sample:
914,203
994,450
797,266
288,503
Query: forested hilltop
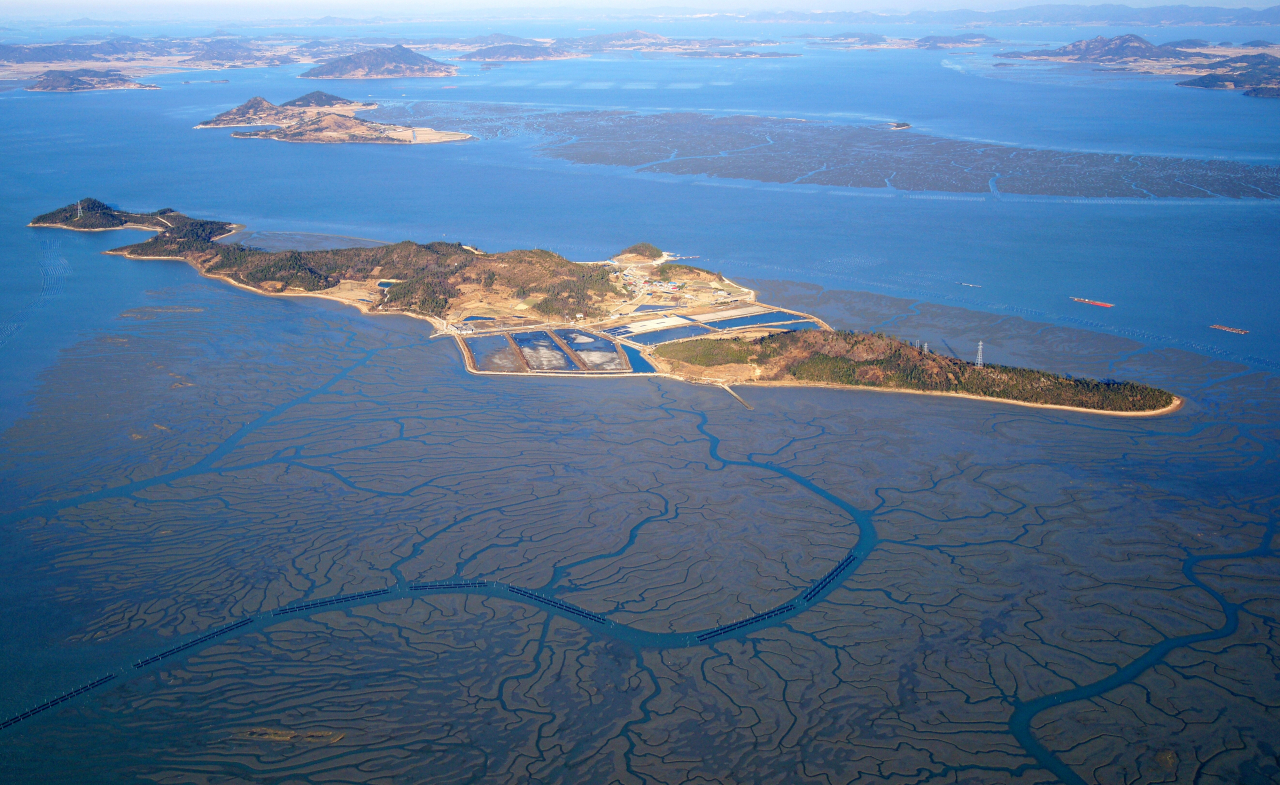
875,360
424,279
93,215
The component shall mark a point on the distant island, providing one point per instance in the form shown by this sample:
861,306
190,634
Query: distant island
737,55
1221,67
851,41
533,311
641,41
1257,74
322,118
83,79
392,62
1039,15
390,56
519,53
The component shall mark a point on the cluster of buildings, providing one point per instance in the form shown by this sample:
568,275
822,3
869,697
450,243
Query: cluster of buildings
642,284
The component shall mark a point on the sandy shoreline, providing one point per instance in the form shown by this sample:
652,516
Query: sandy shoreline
117,228
1171,408
364,308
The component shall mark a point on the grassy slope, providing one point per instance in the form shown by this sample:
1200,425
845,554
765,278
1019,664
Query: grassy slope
430,275
869,360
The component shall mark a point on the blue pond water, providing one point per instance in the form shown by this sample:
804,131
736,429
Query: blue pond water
597,352
638,363
670,334
747,321
542,353
494,353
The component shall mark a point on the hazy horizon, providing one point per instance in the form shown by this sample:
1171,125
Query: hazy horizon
198,10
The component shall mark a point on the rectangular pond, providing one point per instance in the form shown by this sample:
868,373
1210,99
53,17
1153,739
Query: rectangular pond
638,363
660,323
542,353
494,353
672,334
730,313
600,354
772,317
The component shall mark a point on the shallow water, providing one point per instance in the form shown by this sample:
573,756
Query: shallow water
1214,260
494,353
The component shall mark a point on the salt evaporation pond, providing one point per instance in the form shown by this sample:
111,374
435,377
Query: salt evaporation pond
596,352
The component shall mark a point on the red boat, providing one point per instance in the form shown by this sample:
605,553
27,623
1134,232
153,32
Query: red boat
1093,302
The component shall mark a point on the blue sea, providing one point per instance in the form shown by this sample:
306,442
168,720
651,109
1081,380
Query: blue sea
1171,267
296,451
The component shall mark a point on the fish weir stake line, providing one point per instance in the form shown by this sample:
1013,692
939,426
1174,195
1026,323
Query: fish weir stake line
567,608
725,630
206,637
56,701
447,586
306,606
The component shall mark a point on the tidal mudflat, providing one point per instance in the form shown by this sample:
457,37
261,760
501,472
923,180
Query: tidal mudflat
492,579
790,150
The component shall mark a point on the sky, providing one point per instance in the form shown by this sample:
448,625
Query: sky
278,9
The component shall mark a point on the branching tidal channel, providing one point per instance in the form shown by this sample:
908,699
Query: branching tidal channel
1019,719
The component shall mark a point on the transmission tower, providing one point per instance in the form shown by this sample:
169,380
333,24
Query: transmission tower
79,209
979,363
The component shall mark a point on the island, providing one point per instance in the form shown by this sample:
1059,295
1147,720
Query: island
745,54
321,118
147,56
641,41
393,62
955,41
849,41
1120,49
91,215
1257,74
642,311
83,79
519,53
1220,67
